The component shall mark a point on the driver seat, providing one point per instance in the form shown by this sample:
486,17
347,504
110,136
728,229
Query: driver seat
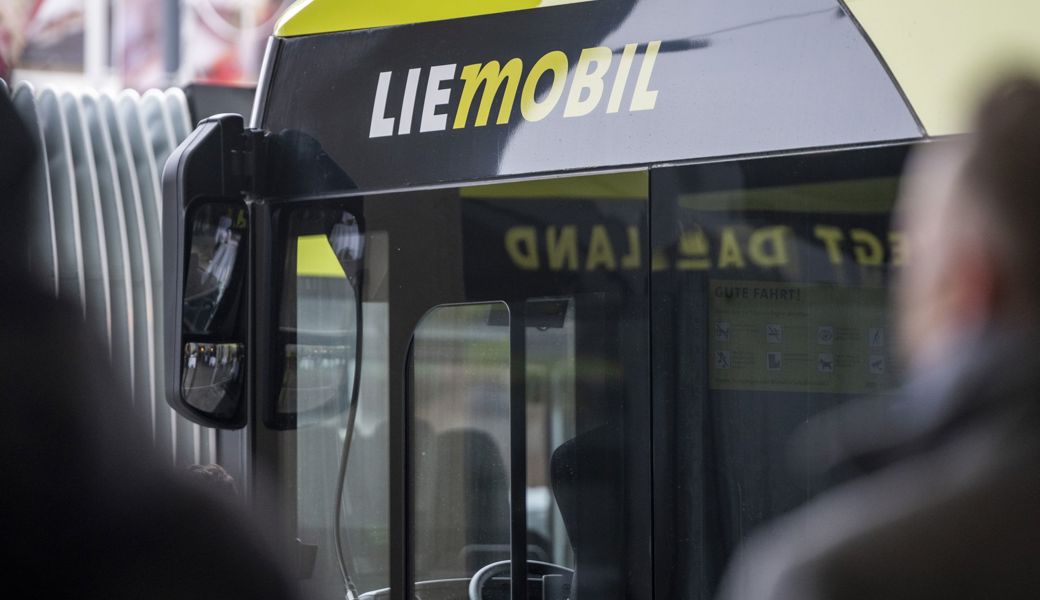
587,480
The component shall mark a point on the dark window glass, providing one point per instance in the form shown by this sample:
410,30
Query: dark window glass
455,281
461,446
770,295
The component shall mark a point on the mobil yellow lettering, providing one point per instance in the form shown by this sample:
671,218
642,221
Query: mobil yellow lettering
632,258
490,76
898,244
693,251
729,250
522,246
643,98
831,237
867,248
533,109
562,247
621,79
767,246
592,65
601,253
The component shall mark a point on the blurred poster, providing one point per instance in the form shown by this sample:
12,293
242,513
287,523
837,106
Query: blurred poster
227,38
42,34
220,41
14,18
137,42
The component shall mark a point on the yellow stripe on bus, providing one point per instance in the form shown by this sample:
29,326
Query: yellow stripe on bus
632,185
946,54
856,197
315,258
308,17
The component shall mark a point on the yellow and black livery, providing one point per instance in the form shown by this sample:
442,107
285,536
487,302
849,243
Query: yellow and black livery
526,297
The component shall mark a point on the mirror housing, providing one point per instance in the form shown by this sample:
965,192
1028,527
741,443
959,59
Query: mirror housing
205,261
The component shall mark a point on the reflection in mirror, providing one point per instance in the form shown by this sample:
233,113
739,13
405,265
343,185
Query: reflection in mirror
217,231
319,321
314,376
210,377
212,326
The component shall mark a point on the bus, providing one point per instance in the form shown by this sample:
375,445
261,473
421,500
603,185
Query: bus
526,299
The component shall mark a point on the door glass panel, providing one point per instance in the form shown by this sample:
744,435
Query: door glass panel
316,350
550,339
577,251
572,256
322,323
771,285
460,432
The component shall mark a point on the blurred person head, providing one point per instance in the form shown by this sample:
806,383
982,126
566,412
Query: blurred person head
17,154
935,487
970,209
88,510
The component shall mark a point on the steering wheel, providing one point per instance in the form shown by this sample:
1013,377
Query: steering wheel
537,567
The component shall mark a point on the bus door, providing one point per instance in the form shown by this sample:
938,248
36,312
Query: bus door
498,445
770,291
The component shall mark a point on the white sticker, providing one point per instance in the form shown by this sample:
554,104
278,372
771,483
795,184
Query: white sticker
722,331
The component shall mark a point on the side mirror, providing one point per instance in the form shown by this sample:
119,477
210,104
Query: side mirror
205,261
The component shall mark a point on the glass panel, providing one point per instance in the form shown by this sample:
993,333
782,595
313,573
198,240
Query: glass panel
578,250
550,422
773,281
317,348
574,253
461,447
319,315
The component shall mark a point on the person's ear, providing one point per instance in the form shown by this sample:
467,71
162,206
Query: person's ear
974,283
